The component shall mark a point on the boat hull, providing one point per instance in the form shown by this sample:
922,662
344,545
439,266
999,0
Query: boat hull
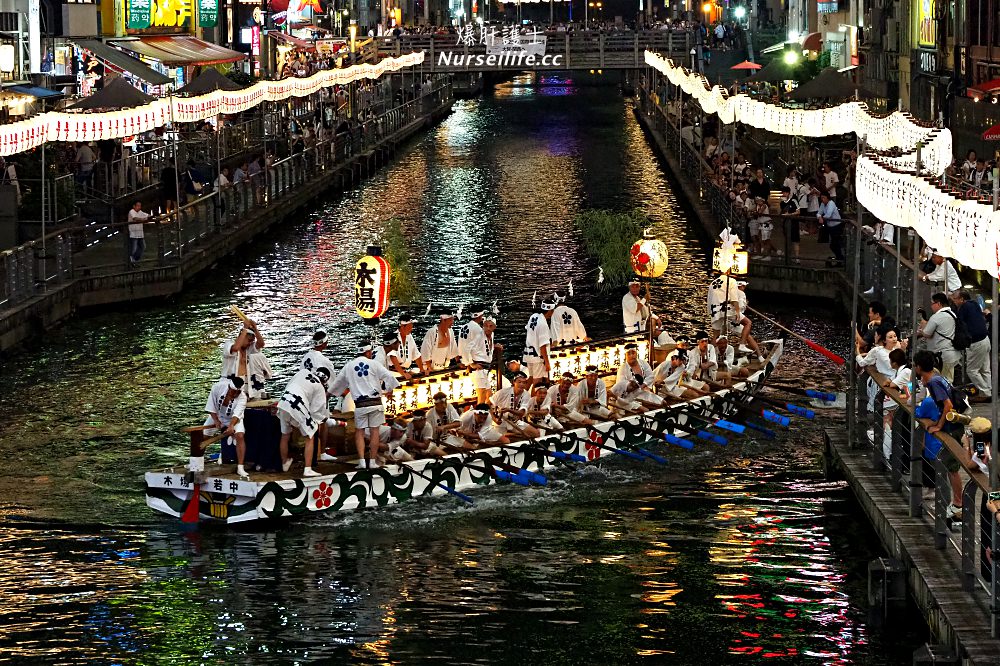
230,501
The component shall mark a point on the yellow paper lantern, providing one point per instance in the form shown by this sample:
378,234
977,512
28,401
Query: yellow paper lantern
649,257
371,284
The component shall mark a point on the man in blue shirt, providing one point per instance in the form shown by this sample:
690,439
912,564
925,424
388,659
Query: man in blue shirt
829,216
977,356
939,391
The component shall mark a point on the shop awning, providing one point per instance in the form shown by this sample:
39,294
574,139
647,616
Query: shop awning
297,42
984,89
122,61
812,42
179,50
34,91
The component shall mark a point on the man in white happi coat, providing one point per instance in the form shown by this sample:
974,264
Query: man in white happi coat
313,359
391,440
478,427
420,435
510,407
367,381
475,356
635,310
443,417
566,326
538,340
540,409
563,401
387,353
742,324
242,358
723,303
303,405
409,352
439,348
670,374
225,406
702,360
590,396
634,384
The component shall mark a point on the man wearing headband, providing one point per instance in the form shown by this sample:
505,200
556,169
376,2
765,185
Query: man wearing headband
367,381
510,406
391,440
635,311
671,375
563,400
242,358
409,352
387,354
313,359
566,326
225,406
633,388
590,397
439,349
420,435
477,427
303,406
538,341
540,408
444,416
475,356
702,361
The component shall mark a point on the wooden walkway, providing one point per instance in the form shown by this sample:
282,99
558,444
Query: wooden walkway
958,618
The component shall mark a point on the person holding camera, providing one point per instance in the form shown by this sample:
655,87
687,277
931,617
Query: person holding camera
939,331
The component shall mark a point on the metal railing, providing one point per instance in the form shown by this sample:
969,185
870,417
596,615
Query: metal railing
100,247
914,461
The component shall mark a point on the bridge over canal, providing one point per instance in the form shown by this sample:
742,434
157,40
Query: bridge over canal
563,51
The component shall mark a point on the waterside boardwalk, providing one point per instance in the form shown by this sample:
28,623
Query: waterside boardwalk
45,281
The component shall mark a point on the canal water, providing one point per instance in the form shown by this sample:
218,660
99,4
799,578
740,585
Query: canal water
743,554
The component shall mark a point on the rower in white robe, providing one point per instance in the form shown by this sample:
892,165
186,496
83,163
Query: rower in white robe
475,356
538,341
634,385
409,352
242,358
540,409
478,427
563,401
635,310
420,435
510,407
225,406
391,440
702,361
303,405
443,417
367,381
439,348
671,375
590,396
315,358
566,327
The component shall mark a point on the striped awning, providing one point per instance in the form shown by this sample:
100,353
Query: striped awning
179,50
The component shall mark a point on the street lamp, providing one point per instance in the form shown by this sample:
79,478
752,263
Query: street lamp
791,57
740,12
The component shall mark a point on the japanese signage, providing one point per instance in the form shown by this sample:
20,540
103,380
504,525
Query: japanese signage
926,36
144,14
371,286
927,61
208,13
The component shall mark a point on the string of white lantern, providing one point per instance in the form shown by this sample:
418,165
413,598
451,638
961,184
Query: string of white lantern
897,130
32,132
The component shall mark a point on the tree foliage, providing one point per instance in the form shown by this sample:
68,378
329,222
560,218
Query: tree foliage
607,237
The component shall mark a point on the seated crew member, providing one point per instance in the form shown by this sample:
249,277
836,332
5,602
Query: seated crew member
391,440
367,382
702,361
440,348
444,417
225,406
562,401
633,388
540,409
420,435
674,373
409,352
510,406
303,406
477,427
538,341
635,311
590,396
566,326
475,355
242,358
729,369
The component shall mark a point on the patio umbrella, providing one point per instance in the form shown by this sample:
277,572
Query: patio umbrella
209,80
776,71
829,84
992,134
746,64
117,94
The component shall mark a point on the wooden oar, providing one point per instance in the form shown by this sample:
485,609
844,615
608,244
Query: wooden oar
555,455
196,428
510,469
824,396
809,343
621,452
765,414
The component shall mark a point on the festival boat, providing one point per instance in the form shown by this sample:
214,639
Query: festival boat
216,494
